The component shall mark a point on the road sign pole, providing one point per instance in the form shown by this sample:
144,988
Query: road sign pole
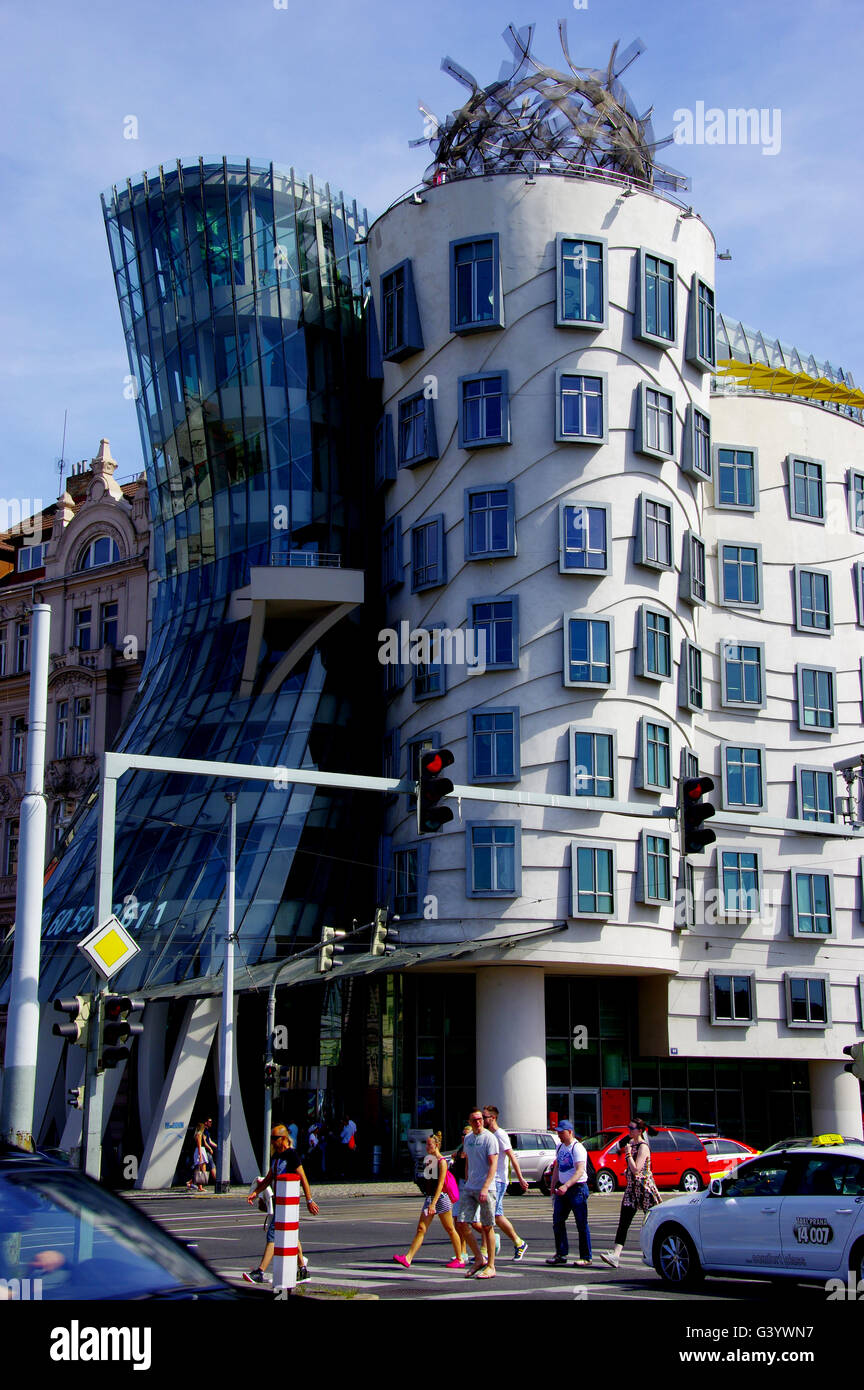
94,1079
226,1031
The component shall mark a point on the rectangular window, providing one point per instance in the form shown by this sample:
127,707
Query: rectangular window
475,290
31,557
10,865
385,458
82,726
817,700
655,318
855,484
858,581
691,694
812,904
493,736
812,600
655,756
406,882
737,479
496,623
743,673
61,740
740,882
655,650
429,676
581,413
588,650
732,998
83,628
816,794
484,416
654,546
584,537
692,587
18,750
391,555
743,777
108,624
428,567
592,762
806,489
592,878
490,522
417,438
581,299
22,646
656,868
400,322
696,453
4,638
741,574
700,326
655,422
493,859
807,1001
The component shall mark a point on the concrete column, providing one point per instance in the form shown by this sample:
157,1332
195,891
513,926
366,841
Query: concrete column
835,1097
511,1044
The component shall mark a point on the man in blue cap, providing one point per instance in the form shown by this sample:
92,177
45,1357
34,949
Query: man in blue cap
569,1190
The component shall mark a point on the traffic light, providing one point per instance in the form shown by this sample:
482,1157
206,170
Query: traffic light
116,1031
696,837
329,948
431,787
76,1097
78,1011
272,1076
856,1066
380,932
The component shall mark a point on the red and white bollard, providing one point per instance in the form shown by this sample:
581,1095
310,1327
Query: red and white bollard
287,1230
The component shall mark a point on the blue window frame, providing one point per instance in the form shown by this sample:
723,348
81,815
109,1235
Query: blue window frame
429,677
385,458
428,554
700,326
584,536
655,320
817,698
391,555
401,334
409,875
593,762
654,655
812,904
476,302
816,794
655,755
496,624
655,422
743,673
589,649
812,600
490,522
484,410
656,868
696,450
741,574
493,744
493,859
743,777
592,879
737,479
806,489
580,412
740,874
581,282
418,442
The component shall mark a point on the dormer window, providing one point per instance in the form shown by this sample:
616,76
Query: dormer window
31,557
101,551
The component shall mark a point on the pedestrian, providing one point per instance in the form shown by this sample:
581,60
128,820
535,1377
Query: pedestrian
283,1159
211,1147
432,1174
640,1193
569,1188
459,1169
348,1145
200,1163
505,1155
294,1132
477,1200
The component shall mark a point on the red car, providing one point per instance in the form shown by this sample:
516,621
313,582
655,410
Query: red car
725,1155
678,1159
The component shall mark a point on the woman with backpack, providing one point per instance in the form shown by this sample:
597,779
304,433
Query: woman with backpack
440,1191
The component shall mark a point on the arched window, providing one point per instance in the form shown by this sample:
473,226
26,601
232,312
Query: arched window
101,551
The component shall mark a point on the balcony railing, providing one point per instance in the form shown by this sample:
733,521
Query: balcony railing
305,559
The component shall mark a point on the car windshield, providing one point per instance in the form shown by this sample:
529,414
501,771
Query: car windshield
602,1140
85,1243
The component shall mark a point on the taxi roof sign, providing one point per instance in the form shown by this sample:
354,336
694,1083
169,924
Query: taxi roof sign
825,1139
109,947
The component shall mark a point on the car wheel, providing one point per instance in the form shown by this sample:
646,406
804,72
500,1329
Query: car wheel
675,1258
605,1182
857,1266
691,1181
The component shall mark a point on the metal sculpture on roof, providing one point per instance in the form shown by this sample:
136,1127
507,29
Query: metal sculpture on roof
537,119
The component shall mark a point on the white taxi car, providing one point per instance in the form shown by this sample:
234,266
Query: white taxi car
796,1212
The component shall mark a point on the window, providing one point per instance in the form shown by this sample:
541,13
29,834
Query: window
589,645
690,692
409,880
108,624
654,653
812,600
493,744
584,537
700,326
655,865
593,762
855,485
742,672
808,1002
385,459
806,489
696,453
428,555
429,677
740,875
82,726
101,551
654,538
394,678
418,442
10,857
83,628
581,276
18,750
581,411
475,285
741,574
31,557
22,646
400,322
733,998
817,701
4,640
858,580
490,522
61,739
655,304
391,555
655,758
592,879
390,759
496,623
692,587
62,814
737,479
484,414
816,794
655,422
812,904
743,777
493,867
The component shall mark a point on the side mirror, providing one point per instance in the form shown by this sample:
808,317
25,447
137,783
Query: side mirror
716,1187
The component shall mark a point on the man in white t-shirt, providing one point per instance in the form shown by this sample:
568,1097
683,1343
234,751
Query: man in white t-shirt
569,1189
505,1152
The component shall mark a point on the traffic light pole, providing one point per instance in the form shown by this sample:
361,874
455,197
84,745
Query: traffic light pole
226,1030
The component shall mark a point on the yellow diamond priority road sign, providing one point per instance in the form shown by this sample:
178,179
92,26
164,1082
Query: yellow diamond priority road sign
109,948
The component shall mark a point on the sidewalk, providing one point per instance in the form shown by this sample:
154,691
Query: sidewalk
366,1187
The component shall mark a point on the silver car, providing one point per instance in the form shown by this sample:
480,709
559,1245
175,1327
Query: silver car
533,1149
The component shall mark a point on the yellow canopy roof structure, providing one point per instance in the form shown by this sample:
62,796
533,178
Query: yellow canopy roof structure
760,377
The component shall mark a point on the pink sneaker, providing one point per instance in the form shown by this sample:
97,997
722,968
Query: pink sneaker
401,1260
455,1264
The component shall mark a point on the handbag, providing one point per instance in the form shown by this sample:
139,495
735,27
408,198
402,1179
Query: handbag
451,1187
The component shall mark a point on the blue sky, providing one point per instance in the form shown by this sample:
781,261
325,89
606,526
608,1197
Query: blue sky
333,87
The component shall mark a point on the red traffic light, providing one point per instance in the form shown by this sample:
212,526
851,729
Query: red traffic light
695,787
431,788
695,836
436,761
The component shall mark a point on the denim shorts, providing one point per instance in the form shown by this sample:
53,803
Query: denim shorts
500,1192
